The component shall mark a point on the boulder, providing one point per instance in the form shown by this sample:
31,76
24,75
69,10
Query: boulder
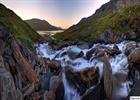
107,75
130,47
49,95
89,54
74,80
96,93
135,91
134,56
83,45
74,53
56,85
90,76
54,66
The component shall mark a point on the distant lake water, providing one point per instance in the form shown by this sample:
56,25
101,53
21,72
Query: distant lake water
49,32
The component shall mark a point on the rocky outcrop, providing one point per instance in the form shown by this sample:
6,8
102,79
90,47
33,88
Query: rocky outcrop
8,90
135,91
89,76
19,79
134,64
107,75
83,79
134,56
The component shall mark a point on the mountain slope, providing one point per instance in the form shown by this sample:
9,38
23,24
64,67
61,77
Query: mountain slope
18,27
117,15
42,25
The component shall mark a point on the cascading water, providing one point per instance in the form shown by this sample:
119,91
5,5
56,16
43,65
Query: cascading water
118,63
70,92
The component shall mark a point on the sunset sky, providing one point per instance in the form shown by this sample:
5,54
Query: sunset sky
63,13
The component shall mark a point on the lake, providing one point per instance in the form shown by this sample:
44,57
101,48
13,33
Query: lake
49,32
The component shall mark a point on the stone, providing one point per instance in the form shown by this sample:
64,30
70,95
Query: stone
107,75
130,47
90,53
54,66
89,76
75,53
134,56
49,95
56,85
83,45
8,90
96,93
135,91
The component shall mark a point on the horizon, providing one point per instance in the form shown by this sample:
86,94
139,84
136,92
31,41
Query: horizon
60,13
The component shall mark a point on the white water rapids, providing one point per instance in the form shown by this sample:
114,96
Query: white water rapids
119,65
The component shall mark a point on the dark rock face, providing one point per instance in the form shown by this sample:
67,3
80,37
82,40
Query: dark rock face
84,79
18,79
130,47
107,76
56,85
135,91
7,85
134,56
134,63
96,93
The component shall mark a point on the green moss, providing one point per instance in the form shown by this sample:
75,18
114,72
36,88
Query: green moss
27,42
54,42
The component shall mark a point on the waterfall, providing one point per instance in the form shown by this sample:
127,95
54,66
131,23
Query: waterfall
119,64
70,92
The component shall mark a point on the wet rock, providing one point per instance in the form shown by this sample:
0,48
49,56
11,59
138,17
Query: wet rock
54,66
75,53
74,80
134,64
35,96
96,93
107,75
89,76
49,95
134,56
84,79
83,45
135,91
130,47
56,85
112,51
89,54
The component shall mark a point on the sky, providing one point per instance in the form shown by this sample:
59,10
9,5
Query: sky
61,13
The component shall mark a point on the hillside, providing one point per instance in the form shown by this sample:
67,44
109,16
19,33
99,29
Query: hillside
18,27
119,16
41,25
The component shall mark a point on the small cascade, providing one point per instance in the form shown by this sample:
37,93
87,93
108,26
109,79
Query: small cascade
119,64
70,92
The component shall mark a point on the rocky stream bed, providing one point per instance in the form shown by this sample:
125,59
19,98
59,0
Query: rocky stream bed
76,72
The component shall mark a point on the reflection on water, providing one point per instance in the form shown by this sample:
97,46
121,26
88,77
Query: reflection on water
49,32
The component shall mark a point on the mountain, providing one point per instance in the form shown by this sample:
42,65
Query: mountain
18,27
119,16
41,25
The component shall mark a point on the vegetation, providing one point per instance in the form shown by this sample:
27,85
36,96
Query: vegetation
120,21
19,28
41,25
